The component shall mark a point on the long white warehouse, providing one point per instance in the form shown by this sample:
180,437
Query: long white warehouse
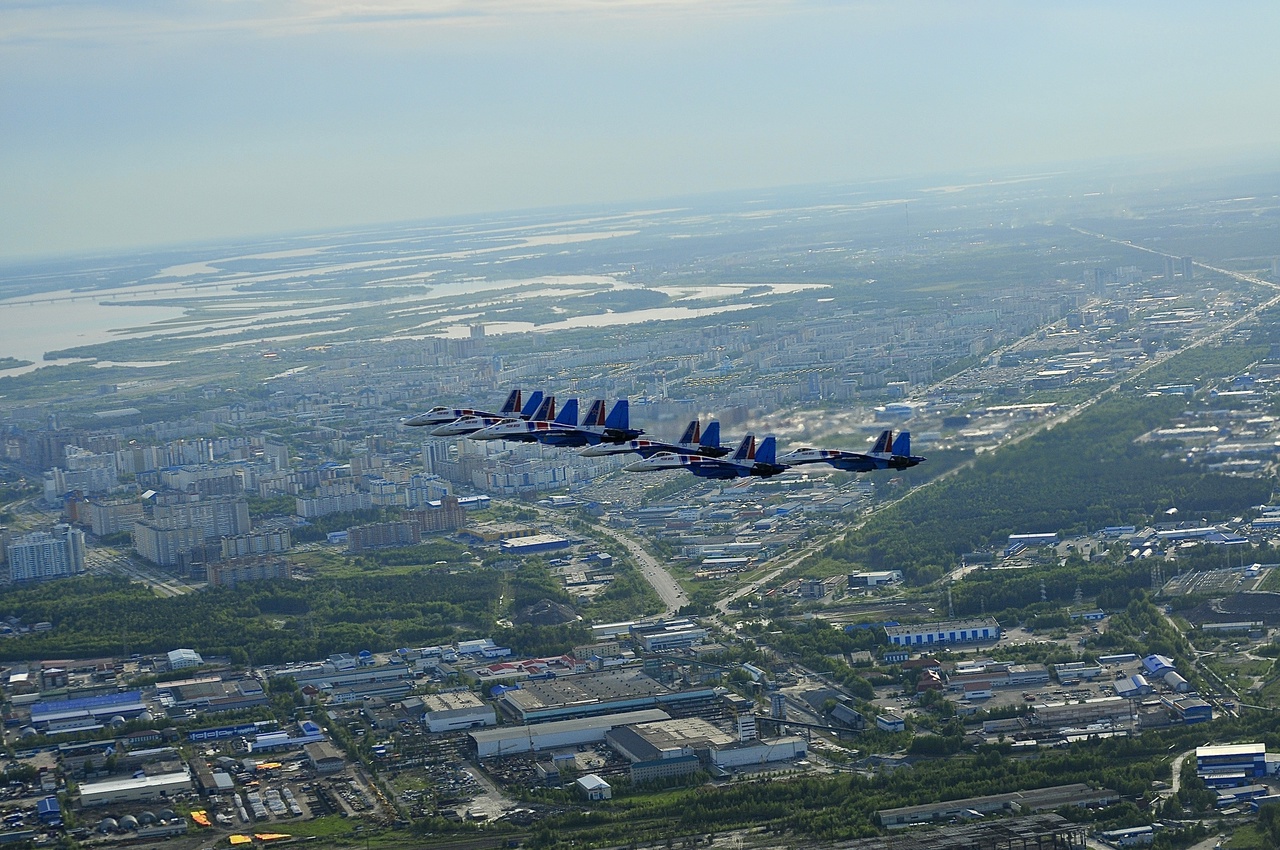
511,740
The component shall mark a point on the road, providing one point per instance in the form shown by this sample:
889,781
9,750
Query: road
105,560
672,594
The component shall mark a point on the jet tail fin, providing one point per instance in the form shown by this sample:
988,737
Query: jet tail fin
620,416
746,449
767,451
902,445
568,414
530,409
595,414
511,407
883,442
711,436
546,410
692,434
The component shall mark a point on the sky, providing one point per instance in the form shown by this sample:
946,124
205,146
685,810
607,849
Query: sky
141,123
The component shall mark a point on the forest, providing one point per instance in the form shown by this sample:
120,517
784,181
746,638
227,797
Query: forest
271,623
1081,475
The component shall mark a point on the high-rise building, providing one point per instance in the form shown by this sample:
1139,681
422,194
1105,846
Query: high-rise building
113,516
42,555
216,517
261,568
165,546
260,542
1188,268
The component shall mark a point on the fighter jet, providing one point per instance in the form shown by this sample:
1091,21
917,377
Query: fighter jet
526,430
747,461
510,409
595,429
694,441
887,453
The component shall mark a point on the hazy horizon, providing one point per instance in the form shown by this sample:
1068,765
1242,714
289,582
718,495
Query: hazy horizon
140,126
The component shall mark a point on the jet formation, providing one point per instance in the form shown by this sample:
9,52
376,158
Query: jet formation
698,451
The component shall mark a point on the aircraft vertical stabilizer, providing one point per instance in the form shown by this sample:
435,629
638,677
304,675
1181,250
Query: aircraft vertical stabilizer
595,414
620,416
568,414
546,410
711,436
882,443
531,406
902,445
511,407
767,451
692,434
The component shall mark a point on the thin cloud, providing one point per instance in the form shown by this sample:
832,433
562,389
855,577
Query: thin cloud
71,21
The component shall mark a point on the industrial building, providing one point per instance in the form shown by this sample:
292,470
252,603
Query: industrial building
180,659
324,757
593,787
1074,671
606,692
667,634
533,544
513,740
1131,687
88,710
758,752
134,789
874,579
211,693
1056,715
666,748
1189,709
1231,764
947,632
458,710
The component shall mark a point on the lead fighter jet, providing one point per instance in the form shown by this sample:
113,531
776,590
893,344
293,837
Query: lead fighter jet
887,453
511,409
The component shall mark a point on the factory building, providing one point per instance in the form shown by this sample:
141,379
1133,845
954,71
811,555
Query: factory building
666,748
88,710
607,692
458,710
1133,686
513,740
593,787
1231,764
1074,671
1189,709
136,789
1056,715
758,752
180,659
947,632
667,634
